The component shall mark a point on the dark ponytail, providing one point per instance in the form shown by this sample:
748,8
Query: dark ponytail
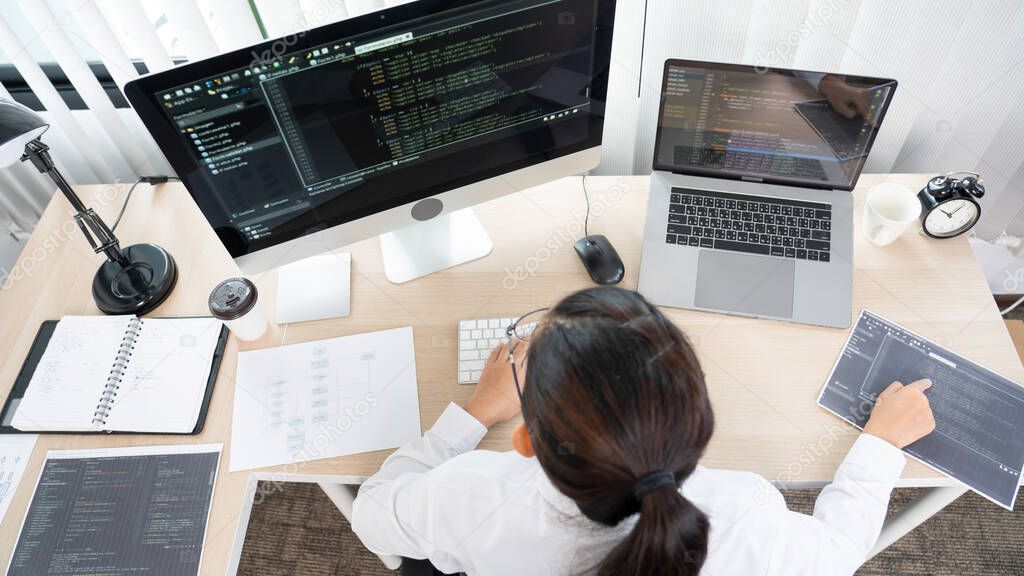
619,416
670,537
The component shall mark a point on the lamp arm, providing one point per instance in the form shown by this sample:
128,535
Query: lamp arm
96,231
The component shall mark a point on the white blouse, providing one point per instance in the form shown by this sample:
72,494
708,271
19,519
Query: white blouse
484,512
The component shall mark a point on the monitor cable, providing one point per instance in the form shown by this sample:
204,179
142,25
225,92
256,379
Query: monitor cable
151,180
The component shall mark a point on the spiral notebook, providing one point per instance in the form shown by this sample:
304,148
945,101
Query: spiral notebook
121,374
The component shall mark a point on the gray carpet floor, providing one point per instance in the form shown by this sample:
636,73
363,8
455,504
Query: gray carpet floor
296,530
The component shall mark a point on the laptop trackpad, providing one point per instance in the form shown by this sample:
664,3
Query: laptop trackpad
745,283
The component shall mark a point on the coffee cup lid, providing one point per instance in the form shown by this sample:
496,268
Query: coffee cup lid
233,298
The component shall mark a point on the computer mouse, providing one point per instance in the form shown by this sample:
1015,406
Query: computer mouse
601,260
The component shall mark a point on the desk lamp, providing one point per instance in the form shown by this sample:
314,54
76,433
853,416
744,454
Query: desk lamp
134,280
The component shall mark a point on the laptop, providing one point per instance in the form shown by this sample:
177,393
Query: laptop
751,210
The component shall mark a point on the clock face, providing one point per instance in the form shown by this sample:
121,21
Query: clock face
951,218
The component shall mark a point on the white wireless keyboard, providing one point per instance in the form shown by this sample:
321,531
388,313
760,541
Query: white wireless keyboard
476,340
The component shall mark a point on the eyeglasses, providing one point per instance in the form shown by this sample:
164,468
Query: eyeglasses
518,334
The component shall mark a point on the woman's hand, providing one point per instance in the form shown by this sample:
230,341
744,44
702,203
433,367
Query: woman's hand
902,414
495,398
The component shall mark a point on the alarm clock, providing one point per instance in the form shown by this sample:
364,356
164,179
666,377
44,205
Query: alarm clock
949,205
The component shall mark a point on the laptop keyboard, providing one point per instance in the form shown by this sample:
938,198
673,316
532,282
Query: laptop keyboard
754,224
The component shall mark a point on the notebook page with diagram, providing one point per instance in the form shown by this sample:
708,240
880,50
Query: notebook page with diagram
121,373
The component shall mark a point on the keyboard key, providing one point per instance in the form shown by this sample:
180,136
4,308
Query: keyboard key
776,240
812,255
813,225
475,376
707,243
741,236
787,242
801,254
465,377
470,355
823,214
676,219
472,365
817,245
741,247
678,229
826,225
467,325
670,239
691,220
787,210
730,235
720,234
693,241
677,199
676,209
477,334
790,252
821,235
800,243
823,256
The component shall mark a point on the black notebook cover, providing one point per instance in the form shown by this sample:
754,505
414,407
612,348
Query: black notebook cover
35,353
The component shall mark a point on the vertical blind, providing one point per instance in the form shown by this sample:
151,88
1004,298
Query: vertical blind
960,65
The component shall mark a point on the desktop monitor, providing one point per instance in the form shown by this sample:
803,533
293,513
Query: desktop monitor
393,123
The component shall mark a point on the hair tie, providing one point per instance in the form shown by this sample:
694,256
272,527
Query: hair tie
652,481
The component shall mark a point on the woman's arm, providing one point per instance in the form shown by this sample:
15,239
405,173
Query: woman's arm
849,513
394,511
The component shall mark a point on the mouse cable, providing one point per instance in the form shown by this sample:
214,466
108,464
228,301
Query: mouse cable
586,219
152,180
1011,307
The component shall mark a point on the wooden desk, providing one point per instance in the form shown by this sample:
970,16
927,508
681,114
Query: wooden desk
764,376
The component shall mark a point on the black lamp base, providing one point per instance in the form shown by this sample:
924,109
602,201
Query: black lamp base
139,287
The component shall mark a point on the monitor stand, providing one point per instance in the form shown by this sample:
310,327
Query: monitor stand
442,242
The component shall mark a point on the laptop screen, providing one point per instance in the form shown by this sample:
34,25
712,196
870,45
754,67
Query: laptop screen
811,129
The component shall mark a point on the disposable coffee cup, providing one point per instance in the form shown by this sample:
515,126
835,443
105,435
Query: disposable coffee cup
889,210
236,303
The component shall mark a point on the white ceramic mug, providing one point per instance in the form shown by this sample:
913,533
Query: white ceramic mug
889,210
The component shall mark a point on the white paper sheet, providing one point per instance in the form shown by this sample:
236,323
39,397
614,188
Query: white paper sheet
324,399
15,450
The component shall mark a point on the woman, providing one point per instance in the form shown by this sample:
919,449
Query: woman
604,478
